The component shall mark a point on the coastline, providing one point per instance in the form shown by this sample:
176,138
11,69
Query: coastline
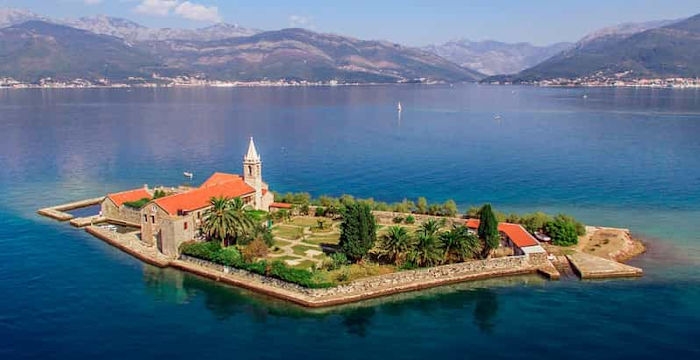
362,289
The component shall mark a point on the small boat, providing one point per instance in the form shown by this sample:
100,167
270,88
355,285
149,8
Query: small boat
188,174
585,96
398,107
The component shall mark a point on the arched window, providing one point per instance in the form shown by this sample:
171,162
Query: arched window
250,170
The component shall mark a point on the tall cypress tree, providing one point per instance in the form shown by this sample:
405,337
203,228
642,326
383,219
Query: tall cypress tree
358,231
488,228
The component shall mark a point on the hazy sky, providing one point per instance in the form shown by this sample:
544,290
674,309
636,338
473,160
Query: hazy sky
412,22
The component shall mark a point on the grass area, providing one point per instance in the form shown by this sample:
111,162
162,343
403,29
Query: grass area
332,239
281,243
258,215
286,231
286,257
306,264
301,249
307,221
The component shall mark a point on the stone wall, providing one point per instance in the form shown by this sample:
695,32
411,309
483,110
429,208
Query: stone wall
385,283
387,217
120,214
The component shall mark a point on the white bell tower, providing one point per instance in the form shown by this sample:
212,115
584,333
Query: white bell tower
252,172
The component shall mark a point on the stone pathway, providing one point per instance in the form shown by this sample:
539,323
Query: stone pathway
309,255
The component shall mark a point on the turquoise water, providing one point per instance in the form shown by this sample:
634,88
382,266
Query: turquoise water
620,157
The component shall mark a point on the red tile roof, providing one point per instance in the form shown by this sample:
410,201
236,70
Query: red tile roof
218,178
217,185
129,195
281,205
515,232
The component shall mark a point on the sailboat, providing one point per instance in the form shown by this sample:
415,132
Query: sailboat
398,107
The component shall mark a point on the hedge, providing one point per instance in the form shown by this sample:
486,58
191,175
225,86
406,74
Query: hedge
212,251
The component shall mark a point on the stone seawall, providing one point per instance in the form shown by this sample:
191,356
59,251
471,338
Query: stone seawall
367,288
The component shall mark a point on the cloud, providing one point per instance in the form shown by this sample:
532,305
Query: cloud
184,9
92,2
299,21
156,7
198,12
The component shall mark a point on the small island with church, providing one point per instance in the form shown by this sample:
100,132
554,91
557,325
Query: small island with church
327,251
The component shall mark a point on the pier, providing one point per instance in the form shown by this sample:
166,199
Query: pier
59,213
595,267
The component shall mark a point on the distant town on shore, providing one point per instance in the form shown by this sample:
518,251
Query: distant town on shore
112,52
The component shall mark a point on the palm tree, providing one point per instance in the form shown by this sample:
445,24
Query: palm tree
226,219
396,244
427,250
458,244
431,227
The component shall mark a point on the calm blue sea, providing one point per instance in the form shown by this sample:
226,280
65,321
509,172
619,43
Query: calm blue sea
618,157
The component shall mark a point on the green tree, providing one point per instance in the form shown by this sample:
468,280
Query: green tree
422,205
226,220
426,251
358,230
427,245
535,221
488,229
458,244
449,208
563,233
580,228
396,244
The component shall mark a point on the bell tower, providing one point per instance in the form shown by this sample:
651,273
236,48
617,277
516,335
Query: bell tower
252,172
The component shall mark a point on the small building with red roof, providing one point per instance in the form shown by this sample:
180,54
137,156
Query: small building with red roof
113,206
514,236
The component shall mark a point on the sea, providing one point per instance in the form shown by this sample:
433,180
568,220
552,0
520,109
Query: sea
622,157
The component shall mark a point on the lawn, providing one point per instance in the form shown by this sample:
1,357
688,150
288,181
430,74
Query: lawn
286,231
331,239
301,249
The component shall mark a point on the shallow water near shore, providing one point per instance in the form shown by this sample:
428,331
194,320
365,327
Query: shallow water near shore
621,157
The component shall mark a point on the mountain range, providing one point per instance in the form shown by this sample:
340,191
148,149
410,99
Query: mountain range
33,47
658,49
494,57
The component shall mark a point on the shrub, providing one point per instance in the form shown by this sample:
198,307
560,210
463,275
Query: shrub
320,211
398,219
203,250
159,194
535,221
410,219
336,261
256,249
580,228
229,256
304,209
563,233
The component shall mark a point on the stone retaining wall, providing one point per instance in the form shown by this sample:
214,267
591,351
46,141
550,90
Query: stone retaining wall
369,287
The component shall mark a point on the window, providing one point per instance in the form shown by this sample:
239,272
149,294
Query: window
153,219
145,218
185,225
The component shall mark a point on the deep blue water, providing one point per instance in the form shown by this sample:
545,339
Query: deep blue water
620,157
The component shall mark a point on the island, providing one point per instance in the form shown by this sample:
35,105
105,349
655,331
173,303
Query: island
329,251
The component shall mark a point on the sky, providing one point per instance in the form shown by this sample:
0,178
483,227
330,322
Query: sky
410,22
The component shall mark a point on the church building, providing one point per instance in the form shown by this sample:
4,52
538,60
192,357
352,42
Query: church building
168,221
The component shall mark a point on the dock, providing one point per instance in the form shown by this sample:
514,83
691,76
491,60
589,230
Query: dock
595,267
85,221
59,213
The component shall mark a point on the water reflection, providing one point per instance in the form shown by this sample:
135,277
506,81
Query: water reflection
225,302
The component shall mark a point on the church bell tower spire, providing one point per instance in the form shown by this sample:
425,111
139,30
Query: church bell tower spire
252,172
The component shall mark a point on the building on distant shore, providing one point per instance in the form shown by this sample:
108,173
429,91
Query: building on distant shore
168,221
